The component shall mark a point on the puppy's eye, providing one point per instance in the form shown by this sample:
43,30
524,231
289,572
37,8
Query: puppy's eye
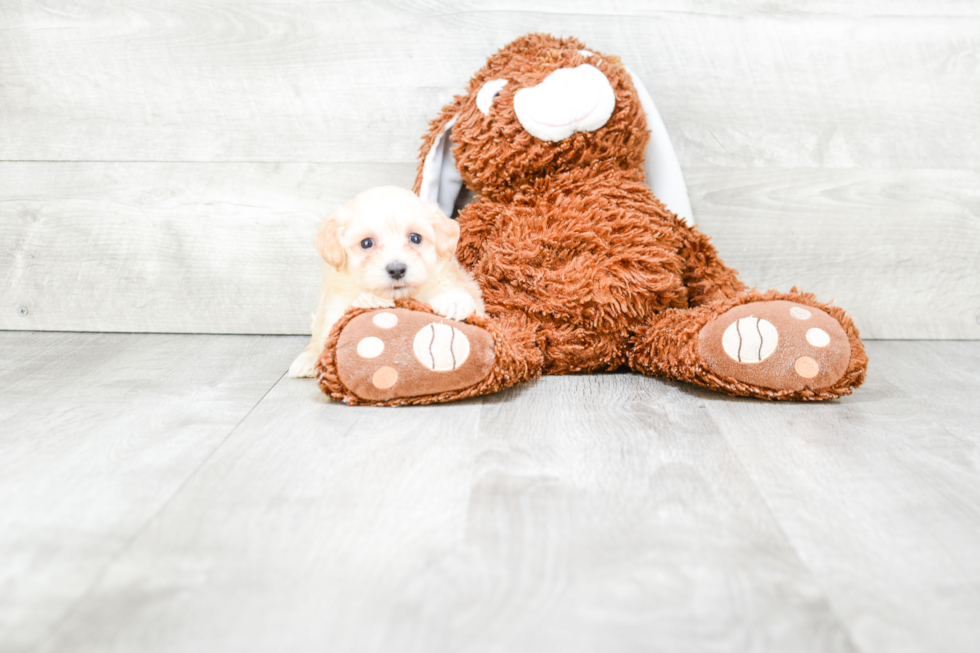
367,243
488,93
415,238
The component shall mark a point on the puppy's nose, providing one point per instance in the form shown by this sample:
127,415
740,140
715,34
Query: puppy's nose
396,269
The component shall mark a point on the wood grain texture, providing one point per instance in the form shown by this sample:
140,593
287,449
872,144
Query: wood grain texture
212,248
577,514
868,83
98,433
900,249
880,494
227,247
581,513
162,166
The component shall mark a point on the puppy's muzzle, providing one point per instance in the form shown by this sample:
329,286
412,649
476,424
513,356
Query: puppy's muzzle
396,270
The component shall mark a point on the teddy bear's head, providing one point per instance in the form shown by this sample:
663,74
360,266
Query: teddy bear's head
540,105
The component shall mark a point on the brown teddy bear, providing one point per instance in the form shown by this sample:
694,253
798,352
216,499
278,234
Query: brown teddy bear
582,267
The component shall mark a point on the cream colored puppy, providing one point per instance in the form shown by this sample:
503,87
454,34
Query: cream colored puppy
387,244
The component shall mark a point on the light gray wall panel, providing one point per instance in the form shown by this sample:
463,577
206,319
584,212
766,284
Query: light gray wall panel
900,249
738,85
227,248
172,247
163,166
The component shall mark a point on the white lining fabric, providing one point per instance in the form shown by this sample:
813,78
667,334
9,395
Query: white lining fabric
663,170
488,92
442,184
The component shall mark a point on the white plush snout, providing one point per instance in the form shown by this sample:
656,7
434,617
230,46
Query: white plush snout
569,100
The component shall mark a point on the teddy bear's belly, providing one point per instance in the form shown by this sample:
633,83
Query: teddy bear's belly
590,256
588,301
588,289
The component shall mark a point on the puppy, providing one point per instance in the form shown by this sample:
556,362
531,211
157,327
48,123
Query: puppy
387,244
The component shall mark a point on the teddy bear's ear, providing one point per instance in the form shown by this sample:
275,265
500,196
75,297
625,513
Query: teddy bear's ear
438,180
663,170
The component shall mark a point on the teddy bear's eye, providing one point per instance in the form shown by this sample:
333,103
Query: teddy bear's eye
367,243
488,93
415,238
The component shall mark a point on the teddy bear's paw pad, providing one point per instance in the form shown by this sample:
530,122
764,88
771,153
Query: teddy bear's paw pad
389,354
779,345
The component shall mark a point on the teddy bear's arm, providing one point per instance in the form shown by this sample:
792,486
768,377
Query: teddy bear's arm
476,222
706,276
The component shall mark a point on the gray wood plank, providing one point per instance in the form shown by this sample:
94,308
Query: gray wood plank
862,84
943,378
899,249
98,434
579,514
212,248
880,493
226,247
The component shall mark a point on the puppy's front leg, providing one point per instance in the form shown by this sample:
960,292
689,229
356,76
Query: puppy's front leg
305,363
370,300
456,304
330,310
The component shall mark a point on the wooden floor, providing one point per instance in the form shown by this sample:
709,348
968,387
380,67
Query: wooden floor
164,167
176,493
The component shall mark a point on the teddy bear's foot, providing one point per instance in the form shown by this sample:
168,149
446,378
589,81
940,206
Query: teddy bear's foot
764,344
777,345
392,354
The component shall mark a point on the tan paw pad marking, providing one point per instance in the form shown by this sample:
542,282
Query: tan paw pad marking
381,358
750,340
370,347
806,367
818,337
385,377
813,350
440,347
385,320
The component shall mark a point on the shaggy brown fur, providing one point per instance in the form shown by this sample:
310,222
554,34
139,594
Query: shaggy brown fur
669,348
581,267
497,157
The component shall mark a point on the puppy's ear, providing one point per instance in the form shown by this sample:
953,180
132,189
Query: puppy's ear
327,242
446,232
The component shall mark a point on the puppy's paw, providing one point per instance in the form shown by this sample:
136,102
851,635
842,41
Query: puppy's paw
454,304
370,300
304,366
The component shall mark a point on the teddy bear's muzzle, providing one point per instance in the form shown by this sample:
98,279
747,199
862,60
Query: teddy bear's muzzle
567,101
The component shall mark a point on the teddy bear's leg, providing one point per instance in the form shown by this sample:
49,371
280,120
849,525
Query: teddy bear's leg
770,345
706,277
409,355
